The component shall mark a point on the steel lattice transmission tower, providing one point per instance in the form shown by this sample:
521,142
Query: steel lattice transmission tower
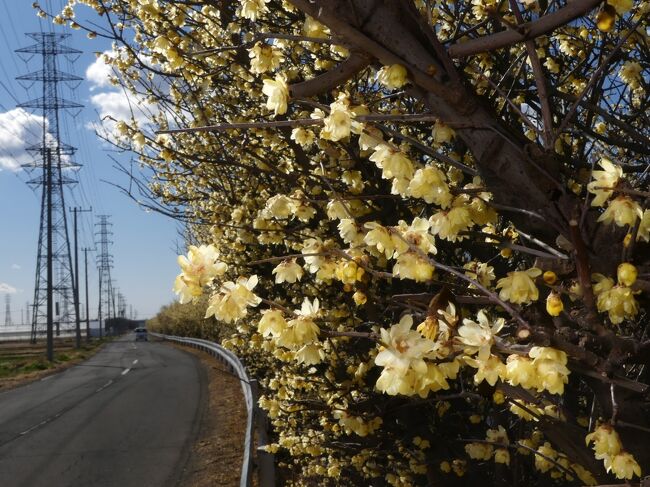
104,266
8,310
54,286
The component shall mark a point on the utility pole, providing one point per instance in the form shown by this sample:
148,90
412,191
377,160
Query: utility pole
75,289
85,250
54,274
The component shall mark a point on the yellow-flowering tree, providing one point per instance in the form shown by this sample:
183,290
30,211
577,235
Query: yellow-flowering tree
428,220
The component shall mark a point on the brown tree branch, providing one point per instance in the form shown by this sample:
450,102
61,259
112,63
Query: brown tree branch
331,79
529,30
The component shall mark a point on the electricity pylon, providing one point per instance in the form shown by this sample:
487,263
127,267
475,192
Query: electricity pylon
104,266
54,287
8,310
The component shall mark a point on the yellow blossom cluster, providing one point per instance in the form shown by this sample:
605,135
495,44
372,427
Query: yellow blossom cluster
392,194
607,446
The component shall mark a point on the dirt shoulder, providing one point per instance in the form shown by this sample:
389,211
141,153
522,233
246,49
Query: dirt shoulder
216,457
24,362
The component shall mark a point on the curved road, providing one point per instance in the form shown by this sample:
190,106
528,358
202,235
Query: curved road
126,417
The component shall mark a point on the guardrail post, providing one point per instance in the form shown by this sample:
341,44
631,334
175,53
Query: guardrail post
265,460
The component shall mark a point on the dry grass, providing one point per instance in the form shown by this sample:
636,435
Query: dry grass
217,454
22,362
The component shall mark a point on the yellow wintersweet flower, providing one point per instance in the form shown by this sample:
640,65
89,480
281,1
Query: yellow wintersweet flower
448,224
434,379
606,17
233,299
272,323
313,28
530,413
392,77
302,136
302,330
541,462
442,132
481,272
607,178
623,465
550,369
416,234
626,274
619,303
478,338
622,211
608,447
479,451
278,206
350,232
310,354
518,287
402,358
348,272
340,122
199,269
630,73
601,283
288,271
380,238
277,92
521,371
359,298
606,441
549,277
411,265
252,9
393,163
585,476
489,370
429,184
138,140
498,435
554,305
299,332
644,227
264,58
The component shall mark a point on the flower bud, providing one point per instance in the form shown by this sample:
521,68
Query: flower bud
626,274
359,298
554,305
550,277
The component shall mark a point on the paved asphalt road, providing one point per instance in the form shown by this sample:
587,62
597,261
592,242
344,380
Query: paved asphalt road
125,418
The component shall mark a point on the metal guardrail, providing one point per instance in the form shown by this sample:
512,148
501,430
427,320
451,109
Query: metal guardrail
256,419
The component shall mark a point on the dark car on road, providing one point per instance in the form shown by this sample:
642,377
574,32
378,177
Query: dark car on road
141,334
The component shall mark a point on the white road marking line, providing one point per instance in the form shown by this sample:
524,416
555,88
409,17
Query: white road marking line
135,361
35,426
46,378
126,371
104,386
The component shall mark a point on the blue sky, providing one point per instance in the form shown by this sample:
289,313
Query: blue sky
145,243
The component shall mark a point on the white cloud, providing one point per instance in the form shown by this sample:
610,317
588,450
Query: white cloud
112,102
6,288
98,73
120,106
18,130
16,267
